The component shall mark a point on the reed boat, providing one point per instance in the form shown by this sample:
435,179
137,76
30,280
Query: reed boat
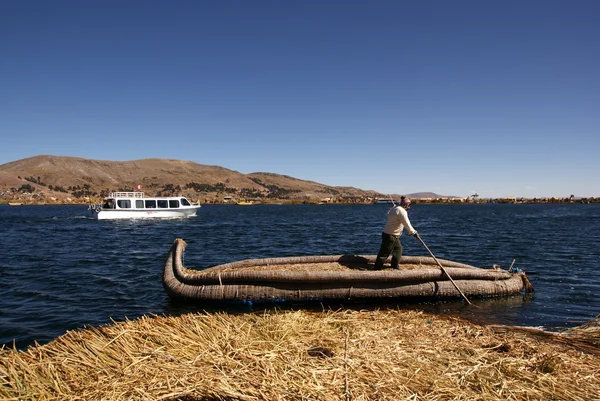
333,277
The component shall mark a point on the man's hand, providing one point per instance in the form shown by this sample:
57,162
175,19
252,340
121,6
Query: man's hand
416,234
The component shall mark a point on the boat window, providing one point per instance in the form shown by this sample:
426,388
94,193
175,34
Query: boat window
139,204
124,204
185,202
150,204
163,204
173,203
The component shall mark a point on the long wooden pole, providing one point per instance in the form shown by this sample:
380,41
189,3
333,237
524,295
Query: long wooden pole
444,270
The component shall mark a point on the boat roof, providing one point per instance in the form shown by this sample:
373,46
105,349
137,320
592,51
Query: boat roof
138,195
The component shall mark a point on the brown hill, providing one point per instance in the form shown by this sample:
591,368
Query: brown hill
428,195
294,184
63,177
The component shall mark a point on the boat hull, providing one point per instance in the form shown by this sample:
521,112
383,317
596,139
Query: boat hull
234,282
144,214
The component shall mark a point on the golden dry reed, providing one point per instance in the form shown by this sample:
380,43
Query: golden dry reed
299,355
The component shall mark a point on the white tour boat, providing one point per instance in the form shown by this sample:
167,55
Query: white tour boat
134,205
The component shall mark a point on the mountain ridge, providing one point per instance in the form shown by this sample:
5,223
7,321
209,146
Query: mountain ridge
63,177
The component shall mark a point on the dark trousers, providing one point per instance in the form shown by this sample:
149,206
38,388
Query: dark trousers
389,245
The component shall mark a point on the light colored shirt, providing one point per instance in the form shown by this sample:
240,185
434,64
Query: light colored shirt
397,220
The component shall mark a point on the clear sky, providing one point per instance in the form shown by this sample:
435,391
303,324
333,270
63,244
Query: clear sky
501,98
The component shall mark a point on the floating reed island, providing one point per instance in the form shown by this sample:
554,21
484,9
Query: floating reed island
336,277
301,355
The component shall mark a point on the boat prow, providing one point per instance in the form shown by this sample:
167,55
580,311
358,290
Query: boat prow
331,277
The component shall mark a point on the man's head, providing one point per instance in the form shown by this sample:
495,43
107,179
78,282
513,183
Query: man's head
405,203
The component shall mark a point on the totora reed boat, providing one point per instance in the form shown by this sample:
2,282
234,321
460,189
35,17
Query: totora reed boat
336,277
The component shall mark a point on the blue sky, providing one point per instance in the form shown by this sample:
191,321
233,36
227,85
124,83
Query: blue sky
501,98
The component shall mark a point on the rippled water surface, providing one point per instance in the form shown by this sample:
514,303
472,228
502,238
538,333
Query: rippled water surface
61,270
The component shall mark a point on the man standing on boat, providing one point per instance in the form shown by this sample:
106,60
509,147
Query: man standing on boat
397,220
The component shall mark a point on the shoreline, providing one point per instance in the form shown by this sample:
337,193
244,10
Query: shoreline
416,201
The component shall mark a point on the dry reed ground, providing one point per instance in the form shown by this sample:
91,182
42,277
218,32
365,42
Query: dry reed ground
300,355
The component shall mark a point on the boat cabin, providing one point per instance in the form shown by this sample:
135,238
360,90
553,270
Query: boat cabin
136,200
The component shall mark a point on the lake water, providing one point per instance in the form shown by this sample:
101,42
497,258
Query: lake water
61,270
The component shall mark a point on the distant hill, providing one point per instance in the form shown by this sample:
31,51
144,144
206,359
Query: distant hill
62,178
67,177
428,195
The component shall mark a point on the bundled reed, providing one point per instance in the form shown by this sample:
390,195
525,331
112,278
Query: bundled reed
300,355
331,277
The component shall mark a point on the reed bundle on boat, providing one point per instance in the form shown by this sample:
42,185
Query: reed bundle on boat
300,355
331,277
